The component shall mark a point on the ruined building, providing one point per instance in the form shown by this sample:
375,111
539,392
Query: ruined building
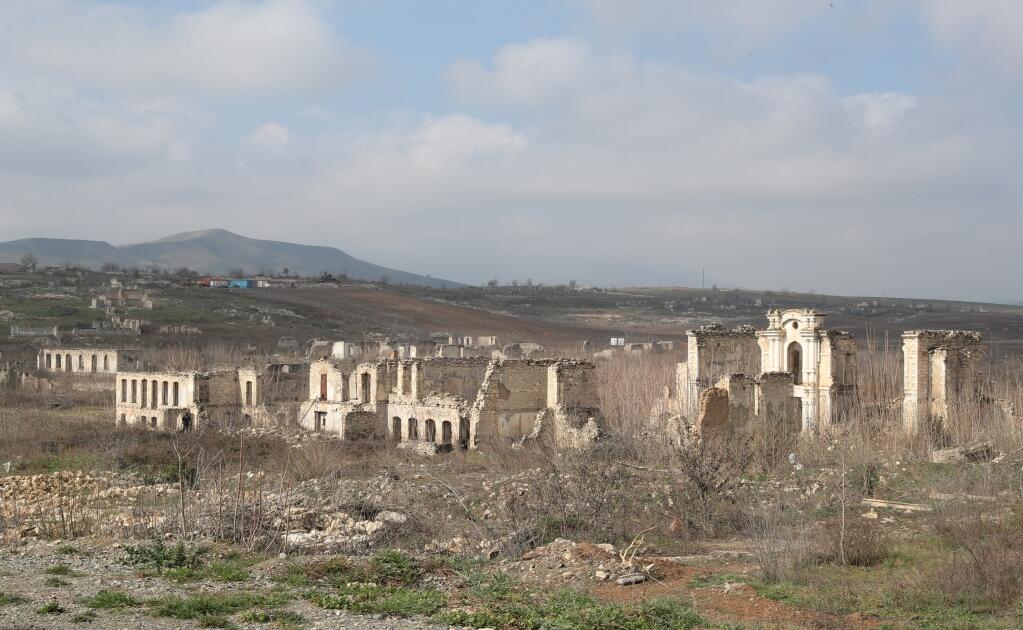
182,401
122,298
442,403
941,369
795,372
85,360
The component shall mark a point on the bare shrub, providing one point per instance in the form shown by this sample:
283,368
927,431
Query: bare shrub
985,563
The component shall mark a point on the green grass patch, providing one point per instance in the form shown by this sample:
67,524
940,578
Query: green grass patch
7,599
56,582
111,599
211,605
386,600
568,610
51,607
287,619
393,568
63,570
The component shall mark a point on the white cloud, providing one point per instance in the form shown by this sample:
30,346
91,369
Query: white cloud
230,48
745,21
989,27
270,135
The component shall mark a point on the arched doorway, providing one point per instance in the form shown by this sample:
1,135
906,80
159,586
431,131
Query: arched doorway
431,430
445,433
186,422
795,362
413,429
463,434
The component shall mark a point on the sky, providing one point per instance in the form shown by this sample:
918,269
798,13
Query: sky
861,148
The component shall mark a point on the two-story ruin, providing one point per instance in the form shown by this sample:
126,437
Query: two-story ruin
440,403
182,401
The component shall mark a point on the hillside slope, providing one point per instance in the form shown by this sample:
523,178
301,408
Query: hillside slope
212,251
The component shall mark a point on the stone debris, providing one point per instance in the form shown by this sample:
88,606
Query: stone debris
972,453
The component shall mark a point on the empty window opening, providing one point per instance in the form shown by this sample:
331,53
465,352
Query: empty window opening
152,400
163,393
463,433
248,393
319,420
186,421
431,430
445,433
134,390
67,362
323,386
58,362
796,362
81,363
124,390
95,363
364,387
396,429
413,429
49,361
152,422
106,363
174,389
145,391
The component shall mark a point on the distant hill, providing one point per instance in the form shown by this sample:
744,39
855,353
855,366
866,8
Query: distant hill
211,252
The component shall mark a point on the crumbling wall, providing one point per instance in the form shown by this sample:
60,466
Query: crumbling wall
941,369
458,377
508,401
775,405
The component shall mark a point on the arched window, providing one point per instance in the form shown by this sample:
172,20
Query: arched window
175,391
124,390
134,390
106,363
431,430
67,362
57,364
145,391
95,363
163,393
413,429
81,363
248,393
795,362
153,400
445,433
396,429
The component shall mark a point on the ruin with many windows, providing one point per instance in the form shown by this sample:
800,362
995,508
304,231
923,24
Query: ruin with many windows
85,360
436,404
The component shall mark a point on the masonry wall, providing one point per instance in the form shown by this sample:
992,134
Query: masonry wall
458,377
941,368
775,404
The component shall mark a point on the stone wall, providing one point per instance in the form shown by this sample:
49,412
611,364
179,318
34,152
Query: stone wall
941,369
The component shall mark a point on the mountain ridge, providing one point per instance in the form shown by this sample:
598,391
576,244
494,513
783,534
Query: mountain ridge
212,251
